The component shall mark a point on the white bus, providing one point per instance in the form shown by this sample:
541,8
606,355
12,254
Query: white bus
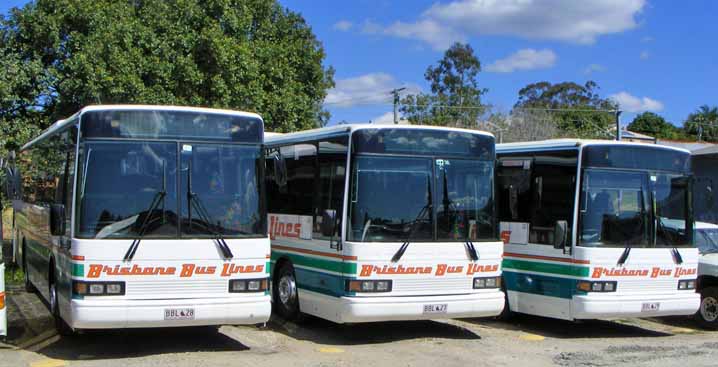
384,223
597,229
145,216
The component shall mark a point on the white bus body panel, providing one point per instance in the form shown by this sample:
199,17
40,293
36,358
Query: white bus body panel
186,274
649,277
410,291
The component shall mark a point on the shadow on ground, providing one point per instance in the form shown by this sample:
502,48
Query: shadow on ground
135,343
326,332
561,329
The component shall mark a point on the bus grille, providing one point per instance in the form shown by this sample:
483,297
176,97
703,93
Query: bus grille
432,286
176,288
648,286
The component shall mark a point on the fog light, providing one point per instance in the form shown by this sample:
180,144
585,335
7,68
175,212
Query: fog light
597,287
367,286
97,288
253,285
682,285
239,286
491,283
382,286
479,283
609,287
114,288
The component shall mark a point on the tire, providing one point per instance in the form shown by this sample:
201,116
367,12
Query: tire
506,314
286,294
60,324
29,288
707,315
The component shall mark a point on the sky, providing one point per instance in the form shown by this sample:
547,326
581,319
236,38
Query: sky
648,55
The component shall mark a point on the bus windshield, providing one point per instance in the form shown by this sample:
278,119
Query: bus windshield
396,199
707,240
634,209
118,180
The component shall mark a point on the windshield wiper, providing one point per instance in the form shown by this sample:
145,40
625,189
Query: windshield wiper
194,201
658,223
156,200
677,258
473,254
400,252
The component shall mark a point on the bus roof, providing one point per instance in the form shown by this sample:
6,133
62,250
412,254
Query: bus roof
345,130
62,125
572,144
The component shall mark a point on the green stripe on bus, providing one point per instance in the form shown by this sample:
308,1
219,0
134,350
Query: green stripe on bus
269,267
78,270
312,262
542,267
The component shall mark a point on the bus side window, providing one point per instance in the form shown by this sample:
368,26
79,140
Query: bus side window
330,194
290,191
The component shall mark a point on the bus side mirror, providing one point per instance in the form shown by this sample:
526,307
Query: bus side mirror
57,219
560,234
329,222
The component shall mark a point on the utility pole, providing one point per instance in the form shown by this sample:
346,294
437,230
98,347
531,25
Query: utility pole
618,124
395,92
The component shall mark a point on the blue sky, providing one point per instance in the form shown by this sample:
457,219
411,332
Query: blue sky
648,55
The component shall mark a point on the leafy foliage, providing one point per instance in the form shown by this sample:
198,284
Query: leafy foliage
652,124
255,55
575,109
703,122
455,98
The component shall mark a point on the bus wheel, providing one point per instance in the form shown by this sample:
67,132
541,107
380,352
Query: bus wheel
506,314
707,315
286,297
29,288
60,324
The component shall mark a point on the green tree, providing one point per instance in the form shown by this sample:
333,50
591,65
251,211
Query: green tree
655,125
254,55
575,109
703,123
455,98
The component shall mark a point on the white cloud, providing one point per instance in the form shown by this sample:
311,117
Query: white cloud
644,55
526,59
343,25
633,104
563,20
647,39
372,88
388,119
594,68
429,31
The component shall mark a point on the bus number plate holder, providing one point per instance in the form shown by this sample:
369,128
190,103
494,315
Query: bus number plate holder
172,314
650,307
435,308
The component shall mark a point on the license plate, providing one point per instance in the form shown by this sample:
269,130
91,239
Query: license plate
437,308
649,307
179,313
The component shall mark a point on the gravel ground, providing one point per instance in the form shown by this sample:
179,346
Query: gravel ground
471,342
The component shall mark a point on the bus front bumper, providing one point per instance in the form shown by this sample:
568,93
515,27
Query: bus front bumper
616,306
371,309
112,314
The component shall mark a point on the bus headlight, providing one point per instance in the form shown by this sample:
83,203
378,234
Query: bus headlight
487,283
248,285
586,286
686,284
369,286
98,288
